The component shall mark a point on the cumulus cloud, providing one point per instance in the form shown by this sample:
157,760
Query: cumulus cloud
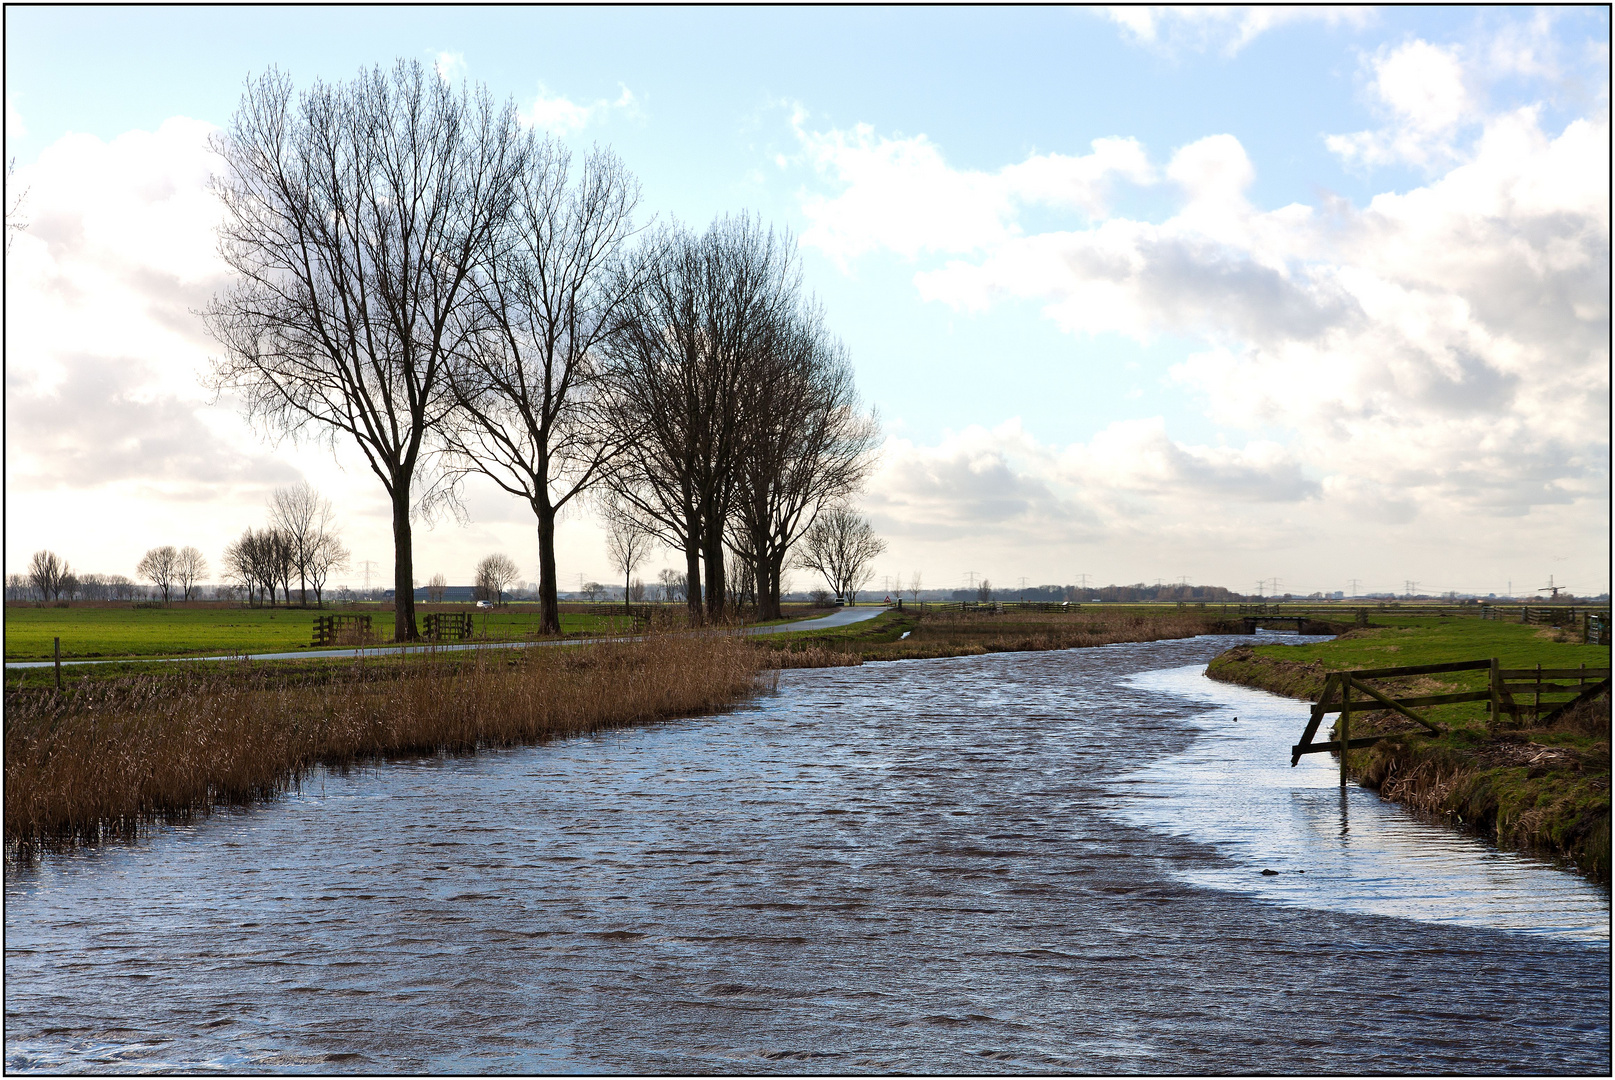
1442,349
562,116
1216,28
449,65
1423,91
901,195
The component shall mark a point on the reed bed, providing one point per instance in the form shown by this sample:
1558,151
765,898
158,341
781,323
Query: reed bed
105,759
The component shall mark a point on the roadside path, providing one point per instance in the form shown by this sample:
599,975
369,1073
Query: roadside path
843,617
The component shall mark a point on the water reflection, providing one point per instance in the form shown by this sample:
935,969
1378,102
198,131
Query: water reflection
1335,849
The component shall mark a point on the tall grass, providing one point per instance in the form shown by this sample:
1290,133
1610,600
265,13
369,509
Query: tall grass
107,758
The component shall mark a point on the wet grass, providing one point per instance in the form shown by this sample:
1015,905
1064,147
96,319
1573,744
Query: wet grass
908,635
1537,787
107,757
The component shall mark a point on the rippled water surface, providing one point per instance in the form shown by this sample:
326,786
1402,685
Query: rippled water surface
1016,862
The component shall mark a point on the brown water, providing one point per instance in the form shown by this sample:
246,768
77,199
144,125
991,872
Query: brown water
958,865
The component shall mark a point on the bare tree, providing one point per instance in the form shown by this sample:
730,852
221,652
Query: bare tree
914,585
45,572
160,566
840,546
189,569
984,591
674,585
628,541
328,554
592,590
805,445
495,572
356,219
436,587
705,308
527,416
303,516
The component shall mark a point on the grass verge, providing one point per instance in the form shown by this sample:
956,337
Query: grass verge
1539,788
106,757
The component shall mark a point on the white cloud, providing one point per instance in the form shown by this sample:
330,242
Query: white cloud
450,65
1201,28
1442,350
901,195
562,116
1423,89
15,128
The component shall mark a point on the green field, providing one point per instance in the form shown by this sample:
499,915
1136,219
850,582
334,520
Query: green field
1412,641
94,633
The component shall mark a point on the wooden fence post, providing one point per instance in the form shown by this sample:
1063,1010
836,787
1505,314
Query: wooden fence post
1496,686
57,650
1345,724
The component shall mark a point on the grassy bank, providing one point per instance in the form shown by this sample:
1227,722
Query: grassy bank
907,635
1541,787
108,756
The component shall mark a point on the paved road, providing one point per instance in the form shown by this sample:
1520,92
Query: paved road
842,617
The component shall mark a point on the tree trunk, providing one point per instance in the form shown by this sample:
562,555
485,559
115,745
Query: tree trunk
770,571
403,567
548,588
715,579
692,572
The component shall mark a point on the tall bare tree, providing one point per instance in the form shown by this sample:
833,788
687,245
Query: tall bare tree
160,566
356,217
527,416
805,445
45,572
189,568
305,518
705,308
840,545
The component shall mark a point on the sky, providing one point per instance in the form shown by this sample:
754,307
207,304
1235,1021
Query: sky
1318,297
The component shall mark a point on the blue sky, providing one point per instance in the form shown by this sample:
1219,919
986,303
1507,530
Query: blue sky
1080,354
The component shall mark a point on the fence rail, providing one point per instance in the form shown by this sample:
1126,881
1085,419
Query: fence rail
1504,689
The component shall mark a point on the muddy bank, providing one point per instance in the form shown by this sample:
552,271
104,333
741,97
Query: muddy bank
1544,790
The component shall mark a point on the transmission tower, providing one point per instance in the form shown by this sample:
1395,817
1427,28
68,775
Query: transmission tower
1354,582
367,564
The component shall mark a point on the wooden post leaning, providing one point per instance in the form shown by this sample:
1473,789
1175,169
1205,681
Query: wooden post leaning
1345,726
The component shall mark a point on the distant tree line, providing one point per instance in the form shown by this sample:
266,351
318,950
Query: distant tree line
417,274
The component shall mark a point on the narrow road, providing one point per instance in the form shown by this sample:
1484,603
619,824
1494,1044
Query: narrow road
842,617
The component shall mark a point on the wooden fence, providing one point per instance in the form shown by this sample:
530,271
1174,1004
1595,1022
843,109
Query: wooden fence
448,626
1505,689
342,630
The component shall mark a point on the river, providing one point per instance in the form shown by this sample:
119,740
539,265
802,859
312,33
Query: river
1032,861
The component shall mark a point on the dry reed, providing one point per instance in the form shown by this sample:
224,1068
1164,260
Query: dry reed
107,758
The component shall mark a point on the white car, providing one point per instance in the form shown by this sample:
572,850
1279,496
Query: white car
484,603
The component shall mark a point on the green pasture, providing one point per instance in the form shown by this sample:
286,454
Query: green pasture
1412,641
93,633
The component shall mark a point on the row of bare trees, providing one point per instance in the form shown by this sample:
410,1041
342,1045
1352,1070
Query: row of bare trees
300,543
418,274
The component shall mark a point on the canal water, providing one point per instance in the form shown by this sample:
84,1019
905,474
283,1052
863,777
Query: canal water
1032,861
